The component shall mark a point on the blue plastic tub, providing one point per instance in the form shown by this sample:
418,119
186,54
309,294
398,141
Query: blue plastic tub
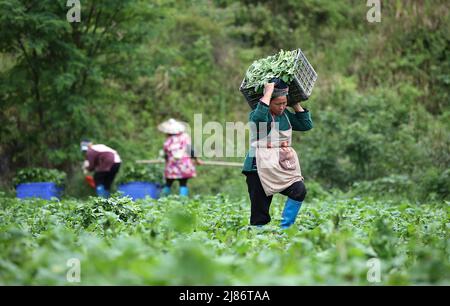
140,190
45,191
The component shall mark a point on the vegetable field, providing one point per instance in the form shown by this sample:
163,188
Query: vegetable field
377,162
207,241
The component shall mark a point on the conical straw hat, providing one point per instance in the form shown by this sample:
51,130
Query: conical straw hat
172,126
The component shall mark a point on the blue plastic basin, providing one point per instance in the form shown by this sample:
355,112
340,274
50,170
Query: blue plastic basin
140,190
45,191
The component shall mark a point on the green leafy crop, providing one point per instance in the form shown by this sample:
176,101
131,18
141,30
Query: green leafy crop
207,241
142,173
280,65
101,211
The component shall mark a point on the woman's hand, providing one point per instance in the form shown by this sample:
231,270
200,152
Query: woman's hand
269,86
298,108
268,90
85,167
198,162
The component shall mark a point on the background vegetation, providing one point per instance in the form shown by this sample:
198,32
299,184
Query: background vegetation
380,106
376,162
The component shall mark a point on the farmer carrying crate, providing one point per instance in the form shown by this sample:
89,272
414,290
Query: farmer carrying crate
272,166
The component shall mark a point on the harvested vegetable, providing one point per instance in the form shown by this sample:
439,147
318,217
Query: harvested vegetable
280,65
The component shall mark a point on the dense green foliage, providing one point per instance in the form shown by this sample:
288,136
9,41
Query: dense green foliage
33,175
380,106
206,241
141,173
381,129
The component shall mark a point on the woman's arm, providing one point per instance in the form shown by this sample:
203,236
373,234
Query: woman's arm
301,120
197,160
268,90
260,114
91,157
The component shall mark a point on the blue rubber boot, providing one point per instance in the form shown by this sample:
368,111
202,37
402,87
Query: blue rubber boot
290,212
184,191
166,191
101,191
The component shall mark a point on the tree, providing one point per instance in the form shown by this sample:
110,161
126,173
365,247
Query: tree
63,75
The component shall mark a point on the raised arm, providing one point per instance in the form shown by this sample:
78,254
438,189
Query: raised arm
301,119
260,114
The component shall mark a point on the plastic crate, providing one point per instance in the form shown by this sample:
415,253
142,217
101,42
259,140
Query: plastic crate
43,190
140,190
300,87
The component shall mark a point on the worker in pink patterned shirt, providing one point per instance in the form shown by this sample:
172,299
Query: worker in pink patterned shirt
179,156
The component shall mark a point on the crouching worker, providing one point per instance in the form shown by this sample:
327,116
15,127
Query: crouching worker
272,166
105,162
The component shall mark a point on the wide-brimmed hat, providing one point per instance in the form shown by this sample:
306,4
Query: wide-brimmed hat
172,126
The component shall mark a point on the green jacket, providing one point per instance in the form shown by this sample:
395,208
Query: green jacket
300,121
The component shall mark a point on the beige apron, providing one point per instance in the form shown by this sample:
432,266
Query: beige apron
276,161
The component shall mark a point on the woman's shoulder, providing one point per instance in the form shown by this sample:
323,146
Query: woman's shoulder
168,140
182,137
185,136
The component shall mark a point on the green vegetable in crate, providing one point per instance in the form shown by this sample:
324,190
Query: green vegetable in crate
261,71
290,66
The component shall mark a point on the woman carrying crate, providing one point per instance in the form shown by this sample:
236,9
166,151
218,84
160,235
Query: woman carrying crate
272,166
179,156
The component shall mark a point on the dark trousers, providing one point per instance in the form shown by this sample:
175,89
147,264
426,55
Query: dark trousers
106,178
260,203
183,182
